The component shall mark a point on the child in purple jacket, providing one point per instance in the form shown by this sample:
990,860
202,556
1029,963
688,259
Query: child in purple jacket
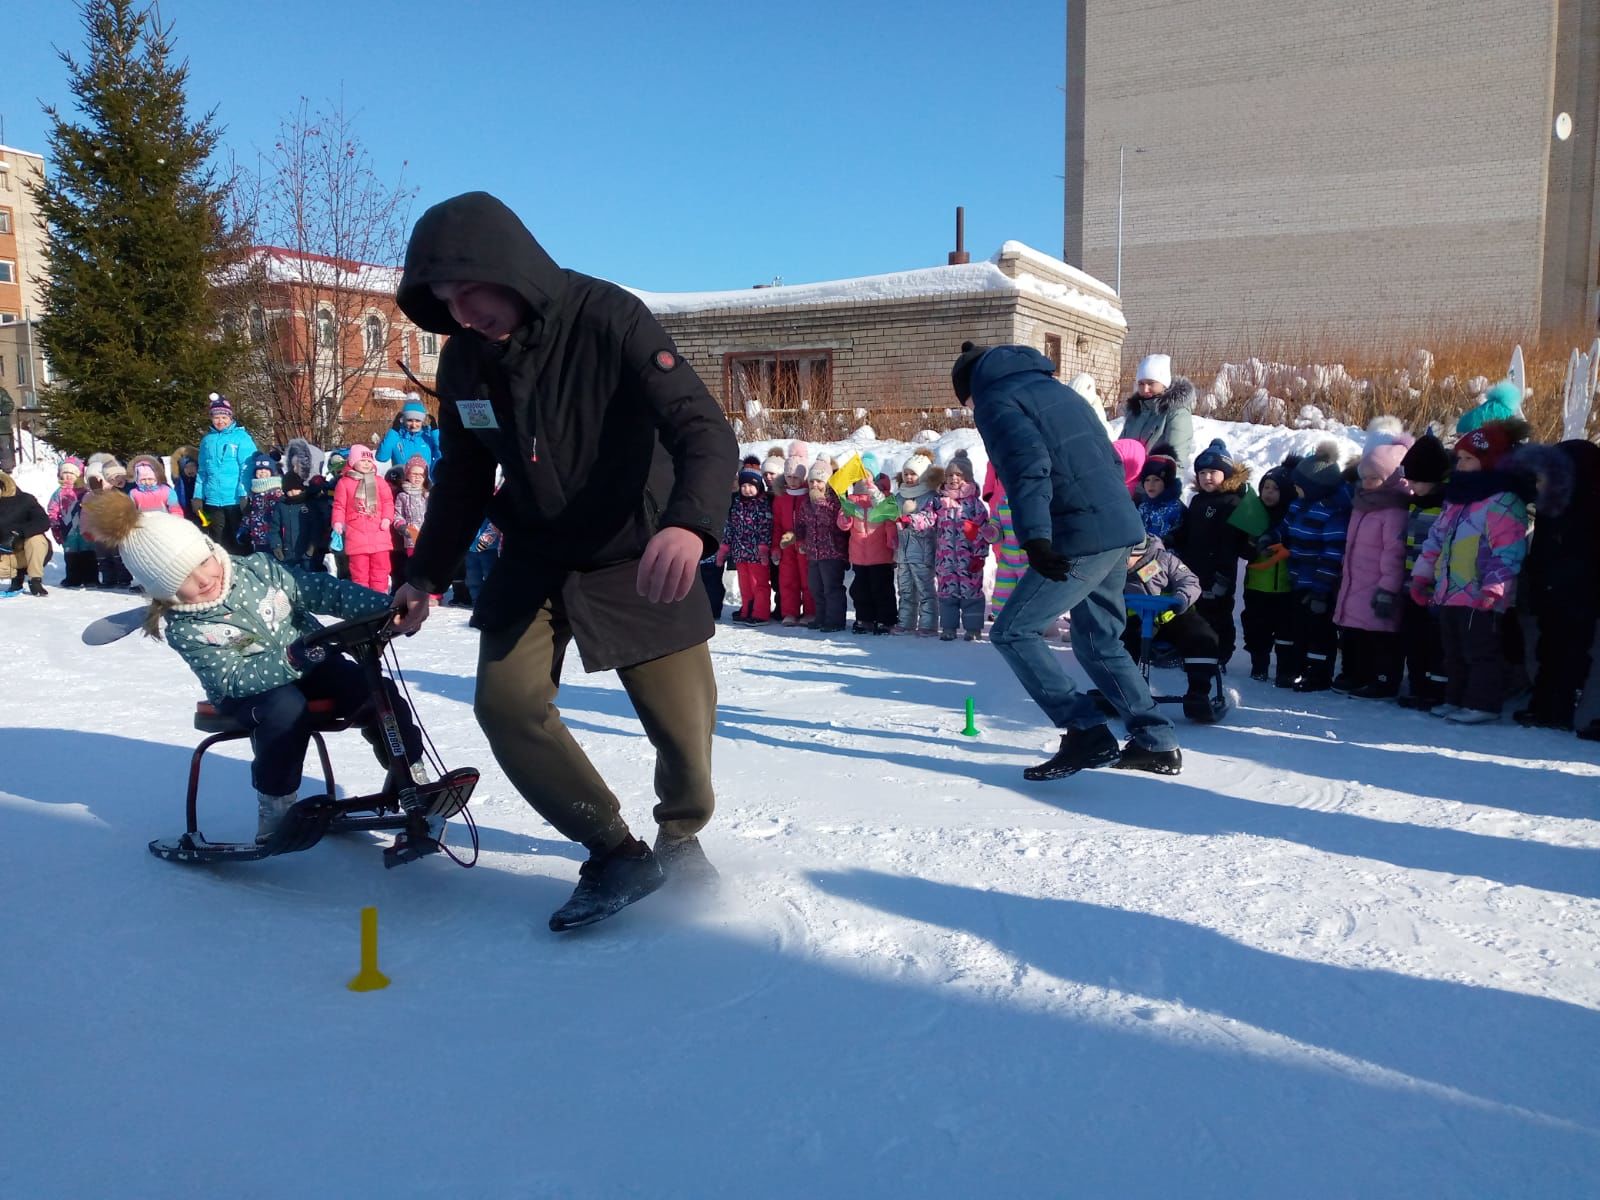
826,548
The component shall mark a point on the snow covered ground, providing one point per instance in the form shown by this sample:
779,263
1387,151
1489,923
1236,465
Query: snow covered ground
1350,952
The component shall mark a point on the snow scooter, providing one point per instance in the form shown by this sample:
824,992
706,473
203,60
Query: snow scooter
1147,608
415,812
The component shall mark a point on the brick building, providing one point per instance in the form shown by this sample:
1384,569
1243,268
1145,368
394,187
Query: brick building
325,339
1346,168
24,266
883,341
887,341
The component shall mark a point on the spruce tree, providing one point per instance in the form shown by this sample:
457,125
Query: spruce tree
134,213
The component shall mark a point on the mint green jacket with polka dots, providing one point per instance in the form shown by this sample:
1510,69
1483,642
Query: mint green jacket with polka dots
237,645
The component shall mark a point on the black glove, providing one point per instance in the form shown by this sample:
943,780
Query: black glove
1383,604
1315,603
1220,589
1042,557
304,658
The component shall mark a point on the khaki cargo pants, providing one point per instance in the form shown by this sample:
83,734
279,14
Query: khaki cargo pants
35,550
675,697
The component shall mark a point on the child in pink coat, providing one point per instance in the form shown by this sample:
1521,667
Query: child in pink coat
1369,607
363,511
873,531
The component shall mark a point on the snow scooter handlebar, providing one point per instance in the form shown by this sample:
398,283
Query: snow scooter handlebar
352,636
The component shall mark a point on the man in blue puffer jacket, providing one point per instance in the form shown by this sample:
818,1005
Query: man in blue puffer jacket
1076,523
410,439
224,477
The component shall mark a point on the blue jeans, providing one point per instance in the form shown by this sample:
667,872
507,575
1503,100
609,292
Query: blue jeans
1093,594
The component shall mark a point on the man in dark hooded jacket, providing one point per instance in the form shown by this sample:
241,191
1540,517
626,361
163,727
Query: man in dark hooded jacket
1076,523
616,463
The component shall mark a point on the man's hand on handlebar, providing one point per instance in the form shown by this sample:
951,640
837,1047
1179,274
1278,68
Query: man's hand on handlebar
411,605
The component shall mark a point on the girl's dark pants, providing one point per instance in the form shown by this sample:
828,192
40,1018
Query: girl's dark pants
280,722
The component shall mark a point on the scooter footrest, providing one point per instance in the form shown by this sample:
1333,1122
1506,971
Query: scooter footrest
447,796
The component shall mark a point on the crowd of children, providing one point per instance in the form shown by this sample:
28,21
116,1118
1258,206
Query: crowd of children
1416,573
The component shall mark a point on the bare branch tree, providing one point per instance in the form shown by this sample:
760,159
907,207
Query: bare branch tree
320,218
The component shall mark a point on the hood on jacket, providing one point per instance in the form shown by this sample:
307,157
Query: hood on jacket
156,465
1001,361
1180,394
1566,475
301,457
474,238
8,486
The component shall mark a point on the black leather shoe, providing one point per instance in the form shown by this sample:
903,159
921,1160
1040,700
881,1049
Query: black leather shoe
1081,750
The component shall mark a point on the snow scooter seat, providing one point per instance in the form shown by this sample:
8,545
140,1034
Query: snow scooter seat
407,805
208,720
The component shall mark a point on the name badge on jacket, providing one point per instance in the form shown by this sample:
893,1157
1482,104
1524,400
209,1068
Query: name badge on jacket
477,414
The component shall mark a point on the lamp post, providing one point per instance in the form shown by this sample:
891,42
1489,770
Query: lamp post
1121,154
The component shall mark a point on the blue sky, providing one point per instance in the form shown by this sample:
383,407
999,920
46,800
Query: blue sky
673,147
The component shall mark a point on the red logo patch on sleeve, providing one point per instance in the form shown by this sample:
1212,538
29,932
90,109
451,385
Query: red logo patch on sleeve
666,359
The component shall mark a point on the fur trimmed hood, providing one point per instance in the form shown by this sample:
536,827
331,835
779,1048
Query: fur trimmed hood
1566,475
1180,393
1236,480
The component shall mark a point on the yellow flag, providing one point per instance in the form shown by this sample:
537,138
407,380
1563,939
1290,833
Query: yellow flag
852,470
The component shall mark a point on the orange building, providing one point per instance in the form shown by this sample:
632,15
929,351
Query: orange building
326,341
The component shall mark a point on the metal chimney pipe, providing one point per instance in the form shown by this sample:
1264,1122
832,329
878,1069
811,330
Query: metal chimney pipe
959,255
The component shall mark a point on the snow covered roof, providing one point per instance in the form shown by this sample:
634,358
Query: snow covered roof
294,267
1013,268
1029,271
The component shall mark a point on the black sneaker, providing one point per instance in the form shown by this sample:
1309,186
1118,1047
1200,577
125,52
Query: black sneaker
1343,685
1158,762
608,882
684,859
36,588
1285,680
1081,750
1261,669
16,582
1377,690
1206,708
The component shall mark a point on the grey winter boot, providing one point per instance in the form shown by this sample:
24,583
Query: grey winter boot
270,811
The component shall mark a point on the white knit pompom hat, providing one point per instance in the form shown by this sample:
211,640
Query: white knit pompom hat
163,550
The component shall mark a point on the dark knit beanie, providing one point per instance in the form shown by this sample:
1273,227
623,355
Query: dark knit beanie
1319,475
1214,457
1162,467
961,373
755,477
292,482
1427,461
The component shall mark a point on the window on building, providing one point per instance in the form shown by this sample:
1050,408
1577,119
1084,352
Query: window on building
258,326
327,331
2,366
5,220
8,271
781,380
428,343
1052,350
8,318
373,331
22,370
